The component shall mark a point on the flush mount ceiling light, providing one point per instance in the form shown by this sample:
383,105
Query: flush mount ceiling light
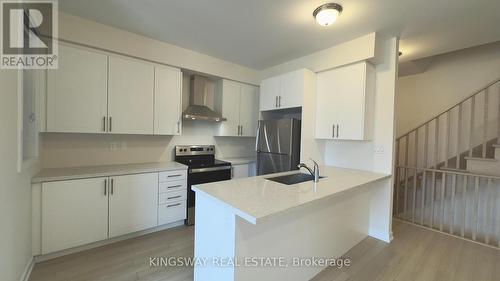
326,14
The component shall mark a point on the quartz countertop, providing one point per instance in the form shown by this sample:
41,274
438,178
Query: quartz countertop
256,198
239,160
71,173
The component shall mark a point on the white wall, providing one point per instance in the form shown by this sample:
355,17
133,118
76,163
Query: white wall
15,188
449,79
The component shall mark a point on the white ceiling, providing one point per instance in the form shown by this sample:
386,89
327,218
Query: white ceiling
263,33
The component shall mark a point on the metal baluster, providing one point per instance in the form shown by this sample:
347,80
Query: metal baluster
489,212
471,132
398,170
447,142
485,122
453,187
405,193
433,189
424,181
436,144
405,199
459,137
498,116
415,175
443,189
476,206
464,205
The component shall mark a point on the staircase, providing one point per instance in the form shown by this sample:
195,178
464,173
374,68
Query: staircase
448,170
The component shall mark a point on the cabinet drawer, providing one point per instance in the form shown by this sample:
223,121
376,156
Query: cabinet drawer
172,212
172,175
172,186
167,198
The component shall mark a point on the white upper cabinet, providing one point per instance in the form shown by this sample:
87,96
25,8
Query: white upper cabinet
238,103
284,91
167,101
269,92
94,92
249,110
345,102
130,96
77,92
133,203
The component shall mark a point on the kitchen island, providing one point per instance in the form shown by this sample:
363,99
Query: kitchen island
257,229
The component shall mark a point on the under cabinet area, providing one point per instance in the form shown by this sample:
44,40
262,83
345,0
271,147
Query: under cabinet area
286,90
77,212
97,92
238,103
345,102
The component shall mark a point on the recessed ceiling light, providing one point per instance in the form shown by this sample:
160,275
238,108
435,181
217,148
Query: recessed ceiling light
326,14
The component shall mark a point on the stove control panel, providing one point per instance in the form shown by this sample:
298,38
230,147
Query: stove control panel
183,150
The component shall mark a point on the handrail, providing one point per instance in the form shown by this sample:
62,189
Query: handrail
450,172
450,108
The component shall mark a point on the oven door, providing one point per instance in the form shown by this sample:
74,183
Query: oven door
199,176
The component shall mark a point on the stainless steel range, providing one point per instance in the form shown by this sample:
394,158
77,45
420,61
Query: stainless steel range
202,168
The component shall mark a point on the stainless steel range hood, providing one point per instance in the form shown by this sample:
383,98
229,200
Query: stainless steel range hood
198,109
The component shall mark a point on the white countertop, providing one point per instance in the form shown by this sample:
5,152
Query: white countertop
255,198
59,174
239,160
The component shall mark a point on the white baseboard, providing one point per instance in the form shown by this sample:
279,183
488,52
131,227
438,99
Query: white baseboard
50,256
27,271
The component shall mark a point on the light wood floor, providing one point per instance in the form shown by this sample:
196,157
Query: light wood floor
414,254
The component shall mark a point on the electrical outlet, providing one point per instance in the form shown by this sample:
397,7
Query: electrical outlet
379,149
113,146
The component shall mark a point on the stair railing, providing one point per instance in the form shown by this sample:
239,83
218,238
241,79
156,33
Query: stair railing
432,187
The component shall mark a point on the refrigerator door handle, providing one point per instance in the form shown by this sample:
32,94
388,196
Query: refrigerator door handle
257,137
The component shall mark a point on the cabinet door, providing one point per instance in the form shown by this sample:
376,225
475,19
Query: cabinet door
230,109
133,203
240,171
74,213
130,96
326,114
249,111
167,101
77,92
341,102
269,91
292,89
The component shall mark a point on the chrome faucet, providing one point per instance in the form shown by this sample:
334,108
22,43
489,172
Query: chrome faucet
314,172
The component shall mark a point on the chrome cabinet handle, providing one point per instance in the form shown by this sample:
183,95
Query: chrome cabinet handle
276,101
173,205
110,124
241,131
104,124
112,186
105,187
337,131
279,101
173,197
333,131
178,127
173,176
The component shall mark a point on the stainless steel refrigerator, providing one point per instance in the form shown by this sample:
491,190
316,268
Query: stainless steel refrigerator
278,146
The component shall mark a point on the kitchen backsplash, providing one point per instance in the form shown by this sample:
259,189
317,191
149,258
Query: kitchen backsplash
70,150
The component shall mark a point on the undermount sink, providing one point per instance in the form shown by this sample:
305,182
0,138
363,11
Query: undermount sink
293,178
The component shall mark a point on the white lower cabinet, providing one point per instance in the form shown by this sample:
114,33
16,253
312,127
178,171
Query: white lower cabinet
83,211
132,203
243,170
74,213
